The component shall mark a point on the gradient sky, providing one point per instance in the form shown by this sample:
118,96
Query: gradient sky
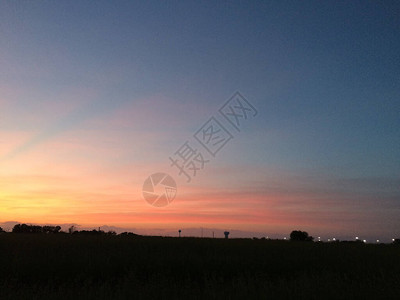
96,96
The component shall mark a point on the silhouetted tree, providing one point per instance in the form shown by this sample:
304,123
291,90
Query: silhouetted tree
90,232
35,229
128,234
51,229
298,235
71,229
19,228
1,230
23,228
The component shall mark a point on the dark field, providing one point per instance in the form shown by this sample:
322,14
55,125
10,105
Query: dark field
63,266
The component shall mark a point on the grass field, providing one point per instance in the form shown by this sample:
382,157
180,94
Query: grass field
63,266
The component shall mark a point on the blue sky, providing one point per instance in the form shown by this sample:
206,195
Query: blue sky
141,77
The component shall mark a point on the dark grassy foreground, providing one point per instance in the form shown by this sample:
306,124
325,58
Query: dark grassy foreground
63,266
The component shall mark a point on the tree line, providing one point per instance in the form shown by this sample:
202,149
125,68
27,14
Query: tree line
24,228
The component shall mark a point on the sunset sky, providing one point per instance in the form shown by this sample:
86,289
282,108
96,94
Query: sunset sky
95,96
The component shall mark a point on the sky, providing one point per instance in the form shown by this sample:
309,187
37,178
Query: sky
96,96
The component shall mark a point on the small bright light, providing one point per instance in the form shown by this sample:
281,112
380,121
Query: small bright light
334,239
284,238
392,240
377,241
329,240
356,237
364,241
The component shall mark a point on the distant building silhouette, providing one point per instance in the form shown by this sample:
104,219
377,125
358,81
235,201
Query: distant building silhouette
226,233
